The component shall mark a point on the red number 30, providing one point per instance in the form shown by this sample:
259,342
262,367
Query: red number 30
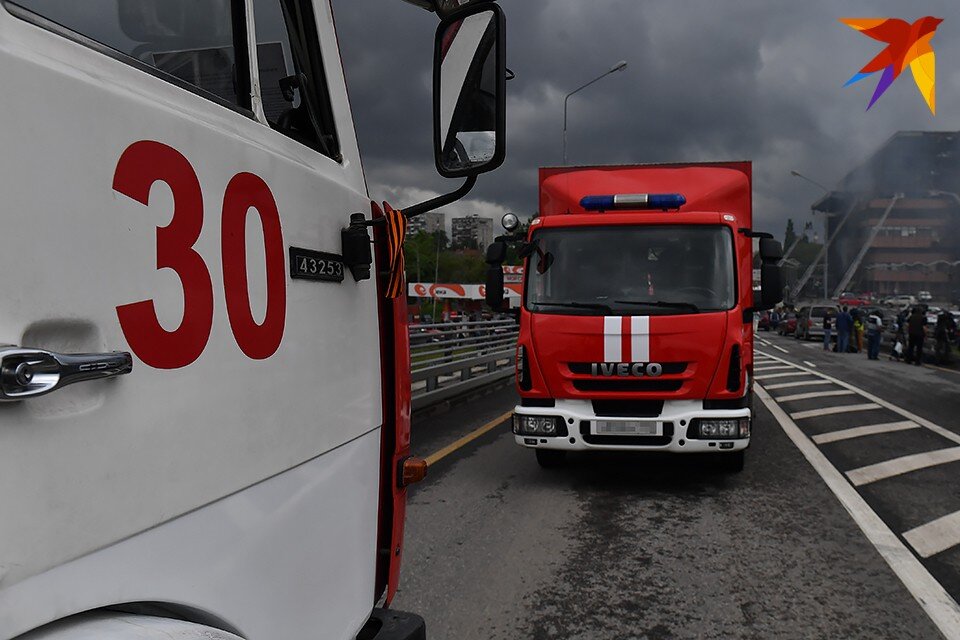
147,162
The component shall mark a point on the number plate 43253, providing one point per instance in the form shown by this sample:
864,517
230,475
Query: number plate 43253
306,264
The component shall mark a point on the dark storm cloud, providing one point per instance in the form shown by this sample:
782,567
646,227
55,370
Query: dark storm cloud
707,80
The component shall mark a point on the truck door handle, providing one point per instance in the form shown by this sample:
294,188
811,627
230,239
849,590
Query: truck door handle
28,373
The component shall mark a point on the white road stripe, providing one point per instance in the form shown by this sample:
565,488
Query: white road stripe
779,367
827,411
813,394
770,376
779,348
640,339
790,385
899,466
612,338
923,422
929,594
809,364
869,430
936,536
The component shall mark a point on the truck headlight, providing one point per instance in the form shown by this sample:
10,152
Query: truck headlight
537,425
722,428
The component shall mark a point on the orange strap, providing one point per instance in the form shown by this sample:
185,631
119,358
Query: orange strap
396,232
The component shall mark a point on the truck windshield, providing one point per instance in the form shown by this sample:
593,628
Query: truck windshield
633,270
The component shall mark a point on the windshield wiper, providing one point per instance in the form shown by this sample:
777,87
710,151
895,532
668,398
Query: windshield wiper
579,305
660,303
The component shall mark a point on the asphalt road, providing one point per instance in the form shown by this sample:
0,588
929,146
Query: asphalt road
821,536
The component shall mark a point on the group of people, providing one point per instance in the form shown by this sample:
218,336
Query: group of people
912,329
909,328
852,326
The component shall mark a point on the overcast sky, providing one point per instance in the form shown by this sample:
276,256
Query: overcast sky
758,80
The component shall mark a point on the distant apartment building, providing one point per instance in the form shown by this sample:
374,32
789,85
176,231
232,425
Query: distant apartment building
471,232
429,222
894,219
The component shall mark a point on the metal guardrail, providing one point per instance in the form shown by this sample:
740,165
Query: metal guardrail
449,359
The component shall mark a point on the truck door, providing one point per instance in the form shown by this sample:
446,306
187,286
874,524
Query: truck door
157,169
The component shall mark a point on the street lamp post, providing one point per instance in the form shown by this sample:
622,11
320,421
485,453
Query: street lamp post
826,232
617,67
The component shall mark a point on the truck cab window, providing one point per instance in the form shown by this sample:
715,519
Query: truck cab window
292,83
192,40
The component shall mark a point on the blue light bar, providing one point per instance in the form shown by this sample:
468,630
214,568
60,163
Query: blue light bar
633,201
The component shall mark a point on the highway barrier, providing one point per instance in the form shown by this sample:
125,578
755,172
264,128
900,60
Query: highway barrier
451,359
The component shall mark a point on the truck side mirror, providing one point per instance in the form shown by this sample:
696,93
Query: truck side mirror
771,285
771,276
496,254
770,249
469,91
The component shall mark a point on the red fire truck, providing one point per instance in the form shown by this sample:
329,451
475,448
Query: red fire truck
636,329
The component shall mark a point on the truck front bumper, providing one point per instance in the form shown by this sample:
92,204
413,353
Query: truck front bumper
676,426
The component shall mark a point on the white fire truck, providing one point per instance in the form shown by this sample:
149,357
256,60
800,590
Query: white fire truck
204,393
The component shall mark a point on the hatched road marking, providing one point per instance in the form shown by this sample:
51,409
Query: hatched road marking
869,430
905,464
782,375
827,411
934,537
929,594
790,385
814,394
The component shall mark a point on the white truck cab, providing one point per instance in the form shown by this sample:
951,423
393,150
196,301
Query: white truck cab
185,236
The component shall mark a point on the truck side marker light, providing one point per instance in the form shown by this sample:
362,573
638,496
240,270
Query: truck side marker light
413,470
662,201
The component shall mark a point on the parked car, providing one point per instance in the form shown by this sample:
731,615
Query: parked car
788,326
810,321
901,301
851,299
924,296
763,324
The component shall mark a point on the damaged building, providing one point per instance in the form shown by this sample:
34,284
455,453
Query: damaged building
893,221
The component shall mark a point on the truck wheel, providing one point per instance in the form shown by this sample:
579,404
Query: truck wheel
550,458
731,462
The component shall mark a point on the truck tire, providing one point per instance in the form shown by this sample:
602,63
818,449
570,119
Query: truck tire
731,462
550,458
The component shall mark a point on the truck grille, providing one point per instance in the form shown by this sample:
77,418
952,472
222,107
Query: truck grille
628,408
626,384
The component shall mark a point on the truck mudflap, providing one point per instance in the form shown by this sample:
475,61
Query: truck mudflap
390,624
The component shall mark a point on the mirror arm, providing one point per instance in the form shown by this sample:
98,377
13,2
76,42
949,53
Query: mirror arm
440,201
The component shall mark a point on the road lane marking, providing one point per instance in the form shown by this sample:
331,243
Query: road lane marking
467,439
779,367
902,465
814,394
936,536
809,364
782,375
779,348
909,415
869,430
929,594
790,385
827,411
